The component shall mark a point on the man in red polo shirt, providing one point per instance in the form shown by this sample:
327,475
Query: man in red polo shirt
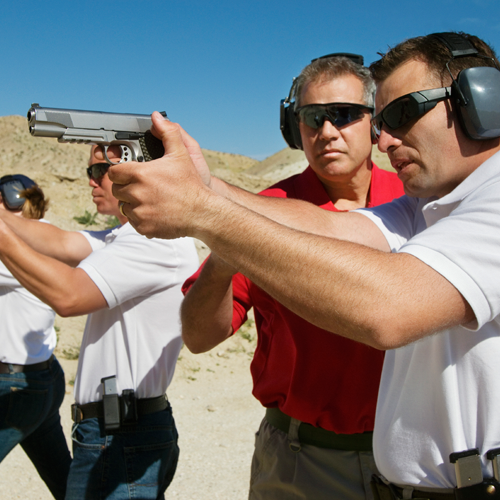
319,389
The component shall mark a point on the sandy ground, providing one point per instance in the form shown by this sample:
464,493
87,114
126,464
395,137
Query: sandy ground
216,416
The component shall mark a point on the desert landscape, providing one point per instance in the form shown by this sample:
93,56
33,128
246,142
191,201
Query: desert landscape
215,412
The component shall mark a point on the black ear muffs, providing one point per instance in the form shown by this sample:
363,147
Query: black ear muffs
475,91
288,121
479,110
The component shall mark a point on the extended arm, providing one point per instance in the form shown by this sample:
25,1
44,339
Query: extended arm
70,247
69,291
367,294
293,213
207,309
384,300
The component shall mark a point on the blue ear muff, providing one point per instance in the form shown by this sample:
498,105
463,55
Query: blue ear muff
476,91
11,195
11,187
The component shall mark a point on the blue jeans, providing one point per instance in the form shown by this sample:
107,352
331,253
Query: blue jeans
136,461
29,415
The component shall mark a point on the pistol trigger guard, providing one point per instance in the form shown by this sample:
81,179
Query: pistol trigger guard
126,154
105,151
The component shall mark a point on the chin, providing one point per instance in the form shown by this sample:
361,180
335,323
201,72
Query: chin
101,210
416,191
334,172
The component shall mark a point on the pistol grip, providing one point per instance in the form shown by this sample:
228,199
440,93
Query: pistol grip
151,147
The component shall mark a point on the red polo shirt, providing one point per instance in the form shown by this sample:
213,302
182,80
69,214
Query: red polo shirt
308,373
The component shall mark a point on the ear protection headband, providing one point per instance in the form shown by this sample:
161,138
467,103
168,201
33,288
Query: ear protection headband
476,91
288,122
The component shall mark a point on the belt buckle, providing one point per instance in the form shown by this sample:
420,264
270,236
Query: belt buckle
76,413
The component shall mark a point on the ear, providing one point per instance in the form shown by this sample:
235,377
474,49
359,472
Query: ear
373,136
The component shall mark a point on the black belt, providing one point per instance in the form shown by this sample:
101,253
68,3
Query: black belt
315,436
12,368
95,410
383,491
489,489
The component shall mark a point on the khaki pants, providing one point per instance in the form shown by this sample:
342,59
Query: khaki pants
313,473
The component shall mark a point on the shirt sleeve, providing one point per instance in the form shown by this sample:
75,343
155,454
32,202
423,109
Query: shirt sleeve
241,300
190,281
133,266
464,248
97,239
396,220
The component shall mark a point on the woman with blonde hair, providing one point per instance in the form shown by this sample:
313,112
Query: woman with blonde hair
32,384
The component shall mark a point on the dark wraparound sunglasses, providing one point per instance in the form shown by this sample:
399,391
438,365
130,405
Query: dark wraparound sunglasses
337,113
408,107
97,170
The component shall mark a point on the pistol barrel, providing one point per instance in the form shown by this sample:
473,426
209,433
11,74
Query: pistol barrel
78,119
47,130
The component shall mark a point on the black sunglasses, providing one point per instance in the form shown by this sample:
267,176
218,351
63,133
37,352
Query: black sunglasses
337,113
97,170
408,107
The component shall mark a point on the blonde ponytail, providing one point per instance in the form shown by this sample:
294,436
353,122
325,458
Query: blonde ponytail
35,205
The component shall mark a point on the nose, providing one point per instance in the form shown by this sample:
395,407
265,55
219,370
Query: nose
387,140
328,130
93,183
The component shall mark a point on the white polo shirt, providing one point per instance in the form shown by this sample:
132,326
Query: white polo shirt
138,337
27,334
441,394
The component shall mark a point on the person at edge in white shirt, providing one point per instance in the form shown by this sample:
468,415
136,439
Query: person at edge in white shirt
32,384
432,302
130,287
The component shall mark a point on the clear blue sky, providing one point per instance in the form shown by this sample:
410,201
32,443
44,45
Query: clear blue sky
219,68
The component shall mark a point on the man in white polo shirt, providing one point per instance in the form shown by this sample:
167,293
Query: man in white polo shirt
124,436
417,277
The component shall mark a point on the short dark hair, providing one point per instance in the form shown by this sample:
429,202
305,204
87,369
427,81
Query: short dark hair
435,54
329,68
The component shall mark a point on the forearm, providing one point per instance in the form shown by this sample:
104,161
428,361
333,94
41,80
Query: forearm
207,309
381,299
293,213
69,291
66,246
299,214
361,292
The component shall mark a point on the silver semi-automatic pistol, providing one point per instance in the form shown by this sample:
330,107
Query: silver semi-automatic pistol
128,131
